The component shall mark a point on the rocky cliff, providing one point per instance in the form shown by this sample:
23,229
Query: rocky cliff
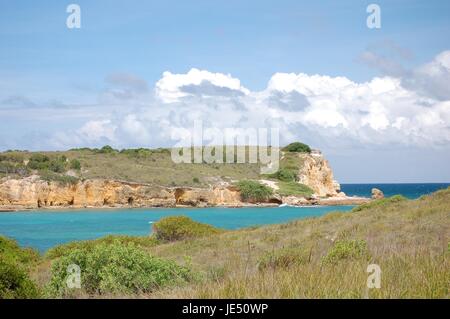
317,174
33,192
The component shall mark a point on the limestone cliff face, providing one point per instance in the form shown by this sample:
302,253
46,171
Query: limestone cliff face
317,174
32,192
220,196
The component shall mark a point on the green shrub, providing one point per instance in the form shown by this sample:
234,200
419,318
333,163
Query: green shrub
297,147
283,174
38,161
15,282
115,269
107,150
254,191
11,251
13,168
294,189
137,152
181,227
75,164
346,249
50,176
196,180
142,242
15,262
380,203
57,165
283,258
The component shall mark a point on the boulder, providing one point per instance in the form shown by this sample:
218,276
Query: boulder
377,194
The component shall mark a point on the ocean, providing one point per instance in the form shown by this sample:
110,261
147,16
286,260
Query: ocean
411,191
45,229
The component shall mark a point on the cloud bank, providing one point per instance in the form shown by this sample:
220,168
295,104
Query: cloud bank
408,109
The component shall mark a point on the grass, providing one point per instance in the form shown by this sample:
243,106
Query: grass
407,239
152,166
380,203
319,257
294,188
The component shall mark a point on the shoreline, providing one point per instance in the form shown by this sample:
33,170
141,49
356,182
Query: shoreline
302,202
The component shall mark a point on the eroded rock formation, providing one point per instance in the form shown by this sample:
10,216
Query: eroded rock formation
317,174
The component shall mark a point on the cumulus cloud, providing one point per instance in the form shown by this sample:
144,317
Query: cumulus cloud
173,87
432,79
387,111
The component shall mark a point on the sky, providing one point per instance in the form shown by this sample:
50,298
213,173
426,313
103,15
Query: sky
375,101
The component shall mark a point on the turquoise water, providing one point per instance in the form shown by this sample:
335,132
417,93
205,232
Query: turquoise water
45,229
408,190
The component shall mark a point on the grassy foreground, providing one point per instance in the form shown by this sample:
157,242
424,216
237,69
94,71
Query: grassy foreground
323,257
327,257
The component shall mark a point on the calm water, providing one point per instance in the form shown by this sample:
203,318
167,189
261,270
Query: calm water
408,190
43,230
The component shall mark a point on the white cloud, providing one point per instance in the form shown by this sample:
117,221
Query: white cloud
172,87
95,131
317,109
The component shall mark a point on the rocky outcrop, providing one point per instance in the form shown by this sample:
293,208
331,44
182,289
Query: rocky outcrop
377,194
32,193
317,174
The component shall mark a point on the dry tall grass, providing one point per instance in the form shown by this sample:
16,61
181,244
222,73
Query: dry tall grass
409,240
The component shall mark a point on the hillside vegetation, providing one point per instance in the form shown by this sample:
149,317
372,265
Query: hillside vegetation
321,257
142,165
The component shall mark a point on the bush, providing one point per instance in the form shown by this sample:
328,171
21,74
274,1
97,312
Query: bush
61,179
286,175
75,164
107,150
283,258
297,147
380,203
14,266
15,282
11,251
254,191
38,161
115,269
196,180
346,249
181,227
60,250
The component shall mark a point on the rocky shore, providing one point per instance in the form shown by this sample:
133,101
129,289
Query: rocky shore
34,193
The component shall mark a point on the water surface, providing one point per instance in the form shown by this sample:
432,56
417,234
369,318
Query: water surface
45,229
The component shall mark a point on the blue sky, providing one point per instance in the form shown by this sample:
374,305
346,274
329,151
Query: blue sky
61,87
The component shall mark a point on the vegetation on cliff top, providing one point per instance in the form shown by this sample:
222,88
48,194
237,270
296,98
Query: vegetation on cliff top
297,147
141,165
253,191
